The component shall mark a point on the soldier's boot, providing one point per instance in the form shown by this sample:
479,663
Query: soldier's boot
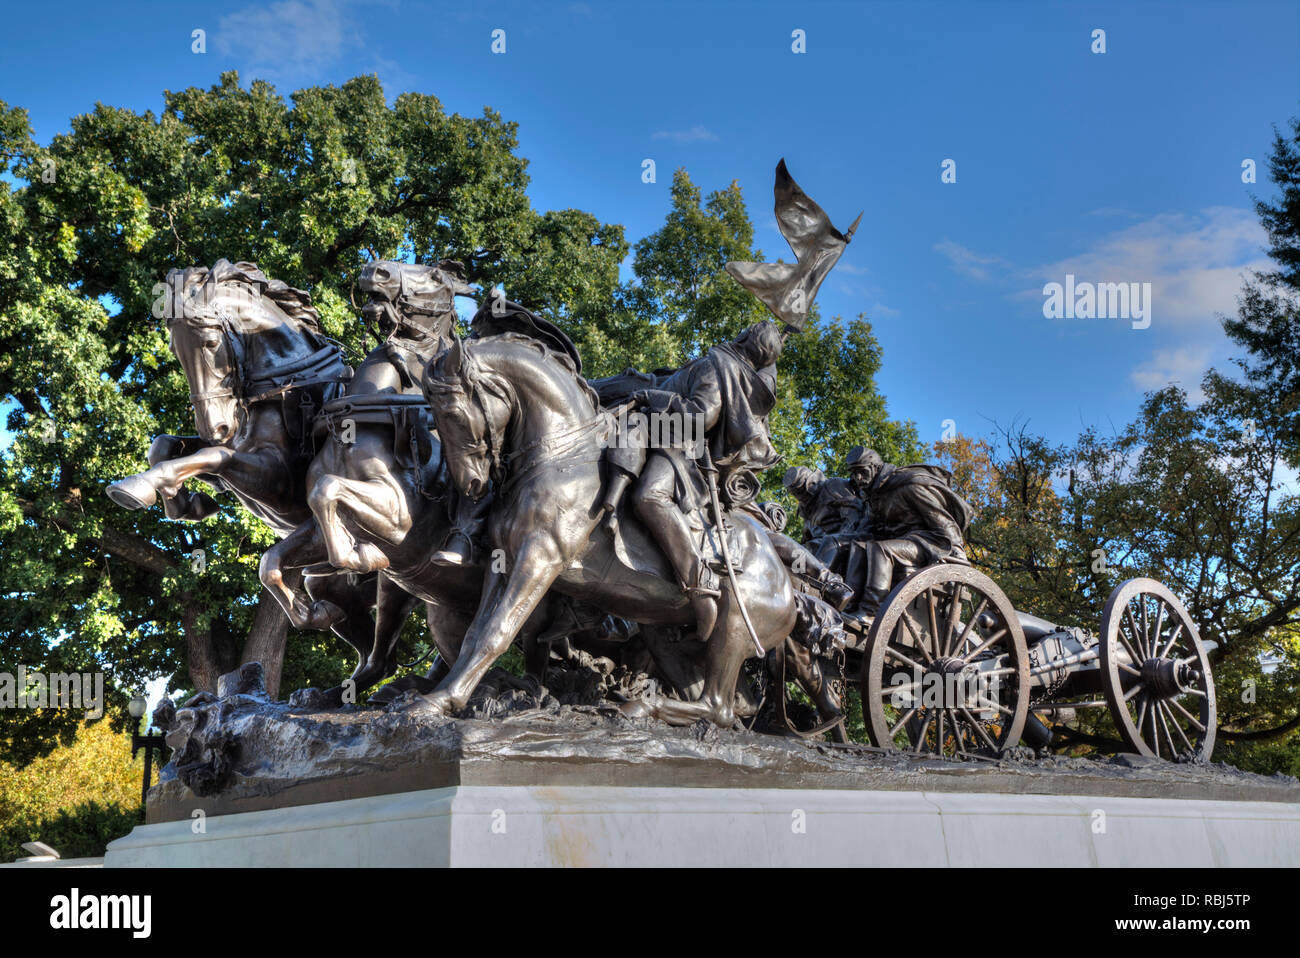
457,549
614,489
704,595
835,591
868,604
832,588
467,522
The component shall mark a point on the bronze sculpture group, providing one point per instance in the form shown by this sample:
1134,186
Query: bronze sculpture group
486,479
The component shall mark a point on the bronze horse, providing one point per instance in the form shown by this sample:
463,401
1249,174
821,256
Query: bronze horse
517,415
259,368
379,496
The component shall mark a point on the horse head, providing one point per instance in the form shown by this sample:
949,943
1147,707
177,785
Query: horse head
412,299
228,324
472,412
412,307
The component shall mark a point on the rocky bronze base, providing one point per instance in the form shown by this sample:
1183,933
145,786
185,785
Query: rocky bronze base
240,752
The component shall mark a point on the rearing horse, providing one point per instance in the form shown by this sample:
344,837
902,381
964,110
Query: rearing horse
260,368
512,412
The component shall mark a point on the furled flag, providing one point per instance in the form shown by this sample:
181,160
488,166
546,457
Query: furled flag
788,289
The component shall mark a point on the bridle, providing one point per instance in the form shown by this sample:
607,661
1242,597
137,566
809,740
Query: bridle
325,365
560,450
469,387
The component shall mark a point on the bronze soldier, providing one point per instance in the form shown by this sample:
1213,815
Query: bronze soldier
914,519
732,388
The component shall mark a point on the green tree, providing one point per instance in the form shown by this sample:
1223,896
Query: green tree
1267,323
682,301
310,189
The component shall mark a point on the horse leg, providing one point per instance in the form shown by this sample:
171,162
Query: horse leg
304,546
508,601
188,506
447,627
375,507
166,478
810,675
374,639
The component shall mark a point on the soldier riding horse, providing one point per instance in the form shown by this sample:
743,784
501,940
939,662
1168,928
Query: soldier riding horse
515,415
259,368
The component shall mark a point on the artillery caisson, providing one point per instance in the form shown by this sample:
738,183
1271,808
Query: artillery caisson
950,668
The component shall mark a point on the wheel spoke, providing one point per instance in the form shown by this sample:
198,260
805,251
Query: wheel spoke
956,733
1123,639
990,704
1173,637
1188,715
986,643
954,613
1178,728
925,728
889,691
979,729
892,650
1128,616
901,722
979,610
1160,714
931,602
1133,691
916,638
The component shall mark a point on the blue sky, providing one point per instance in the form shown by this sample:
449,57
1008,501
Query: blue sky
1123,166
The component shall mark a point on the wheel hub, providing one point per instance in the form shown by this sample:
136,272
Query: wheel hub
1168,677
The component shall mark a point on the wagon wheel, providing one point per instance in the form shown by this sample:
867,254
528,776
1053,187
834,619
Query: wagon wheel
1156,674
946,670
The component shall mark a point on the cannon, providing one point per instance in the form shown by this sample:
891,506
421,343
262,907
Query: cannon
949,668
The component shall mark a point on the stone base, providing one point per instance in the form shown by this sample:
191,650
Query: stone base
530,825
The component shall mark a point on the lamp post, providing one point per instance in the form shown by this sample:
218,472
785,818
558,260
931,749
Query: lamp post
147,742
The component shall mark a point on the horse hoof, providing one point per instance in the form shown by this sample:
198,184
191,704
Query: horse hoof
132,493
394,689
434,703
365,558
324,614
447,557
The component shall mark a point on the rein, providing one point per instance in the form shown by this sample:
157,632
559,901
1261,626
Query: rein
325,365
562,451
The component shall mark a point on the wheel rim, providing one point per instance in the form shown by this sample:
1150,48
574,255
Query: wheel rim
946,671
1156,673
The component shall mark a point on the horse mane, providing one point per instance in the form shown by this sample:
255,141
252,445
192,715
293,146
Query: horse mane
548,353
202,282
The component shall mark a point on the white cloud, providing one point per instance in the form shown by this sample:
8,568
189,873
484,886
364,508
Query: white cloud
850,270
291,39
696,134
1194,263
969,263
1182,365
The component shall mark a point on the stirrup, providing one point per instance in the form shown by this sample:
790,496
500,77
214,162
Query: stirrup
448,556
706,584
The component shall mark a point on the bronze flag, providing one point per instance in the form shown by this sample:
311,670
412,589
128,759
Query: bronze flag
788,289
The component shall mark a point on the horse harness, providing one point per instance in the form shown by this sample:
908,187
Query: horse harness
303,386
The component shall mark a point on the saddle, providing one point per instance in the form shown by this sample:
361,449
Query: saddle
637,550
408,415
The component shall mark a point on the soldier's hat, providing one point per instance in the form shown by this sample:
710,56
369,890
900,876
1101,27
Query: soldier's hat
862,457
